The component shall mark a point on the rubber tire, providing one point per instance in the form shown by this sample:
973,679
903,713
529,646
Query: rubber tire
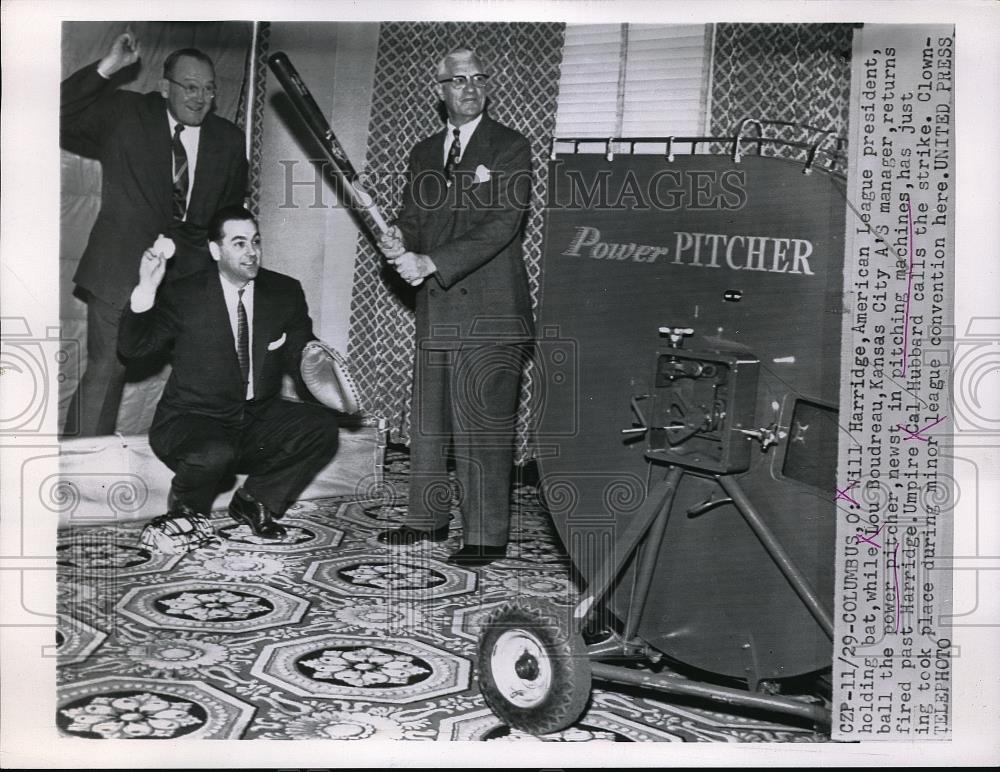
571,679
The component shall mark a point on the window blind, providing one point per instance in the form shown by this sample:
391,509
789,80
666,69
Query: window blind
629,80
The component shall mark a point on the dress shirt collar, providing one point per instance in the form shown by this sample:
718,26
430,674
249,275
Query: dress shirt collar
191,131
465,132
232,290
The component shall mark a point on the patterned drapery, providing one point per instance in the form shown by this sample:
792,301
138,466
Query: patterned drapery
525,60
262,49
799,73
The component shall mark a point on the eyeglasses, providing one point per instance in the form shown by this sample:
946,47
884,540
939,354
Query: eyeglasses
458,82
191,90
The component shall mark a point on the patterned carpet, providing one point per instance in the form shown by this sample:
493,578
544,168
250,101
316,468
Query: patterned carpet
325,634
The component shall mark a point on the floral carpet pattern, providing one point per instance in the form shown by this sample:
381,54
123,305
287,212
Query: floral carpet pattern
323,634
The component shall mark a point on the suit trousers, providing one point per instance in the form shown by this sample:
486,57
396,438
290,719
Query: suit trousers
465,405
281,445
93,411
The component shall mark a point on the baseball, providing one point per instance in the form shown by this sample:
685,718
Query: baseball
164,247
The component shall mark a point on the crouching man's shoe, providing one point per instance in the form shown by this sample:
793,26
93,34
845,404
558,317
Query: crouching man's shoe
245,509
475,555
180,530
404,536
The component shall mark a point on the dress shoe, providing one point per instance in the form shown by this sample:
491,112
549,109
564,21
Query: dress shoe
475,555
245,509
405,536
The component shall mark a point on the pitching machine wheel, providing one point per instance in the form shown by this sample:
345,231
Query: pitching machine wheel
533,670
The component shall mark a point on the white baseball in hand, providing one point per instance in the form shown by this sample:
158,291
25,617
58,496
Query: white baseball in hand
164,247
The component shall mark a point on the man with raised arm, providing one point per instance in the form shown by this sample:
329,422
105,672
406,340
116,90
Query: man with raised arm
168,164
232,331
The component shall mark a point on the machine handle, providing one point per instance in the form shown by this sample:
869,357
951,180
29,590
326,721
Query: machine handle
766,435
676,334
643,426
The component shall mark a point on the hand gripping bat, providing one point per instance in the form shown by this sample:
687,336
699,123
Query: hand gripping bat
319,127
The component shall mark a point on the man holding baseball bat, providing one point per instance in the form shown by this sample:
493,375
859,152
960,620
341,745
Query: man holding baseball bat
233,331
458,240
167,165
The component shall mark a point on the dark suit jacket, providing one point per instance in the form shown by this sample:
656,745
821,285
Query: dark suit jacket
473,232
190,318
130,135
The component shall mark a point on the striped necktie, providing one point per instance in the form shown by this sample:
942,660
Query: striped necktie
454,153
242,338
180,174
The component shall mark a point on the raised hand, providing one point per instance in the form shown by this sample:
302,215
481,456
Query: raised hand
124,51
151,269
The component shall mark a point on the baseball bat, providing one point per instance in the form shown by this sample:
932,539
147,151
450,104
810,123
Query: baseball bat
319,127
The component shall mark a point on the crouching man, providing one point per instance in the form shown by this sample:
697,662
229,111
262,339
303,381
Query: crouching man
233,331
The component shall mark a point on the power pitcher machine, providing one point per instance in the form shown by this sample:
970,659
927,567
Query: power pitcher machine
688,360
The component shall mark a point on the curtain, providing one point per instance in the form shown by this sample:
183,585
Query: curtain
786,72
525,59
258,71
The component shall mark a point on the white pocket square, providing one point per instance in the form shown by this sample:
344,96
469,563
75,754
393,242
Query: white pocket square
483,174
276,344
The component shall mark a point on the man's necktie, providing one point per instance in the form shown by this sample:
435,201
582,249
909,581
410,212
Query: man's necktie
180,174
454,153
242,338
